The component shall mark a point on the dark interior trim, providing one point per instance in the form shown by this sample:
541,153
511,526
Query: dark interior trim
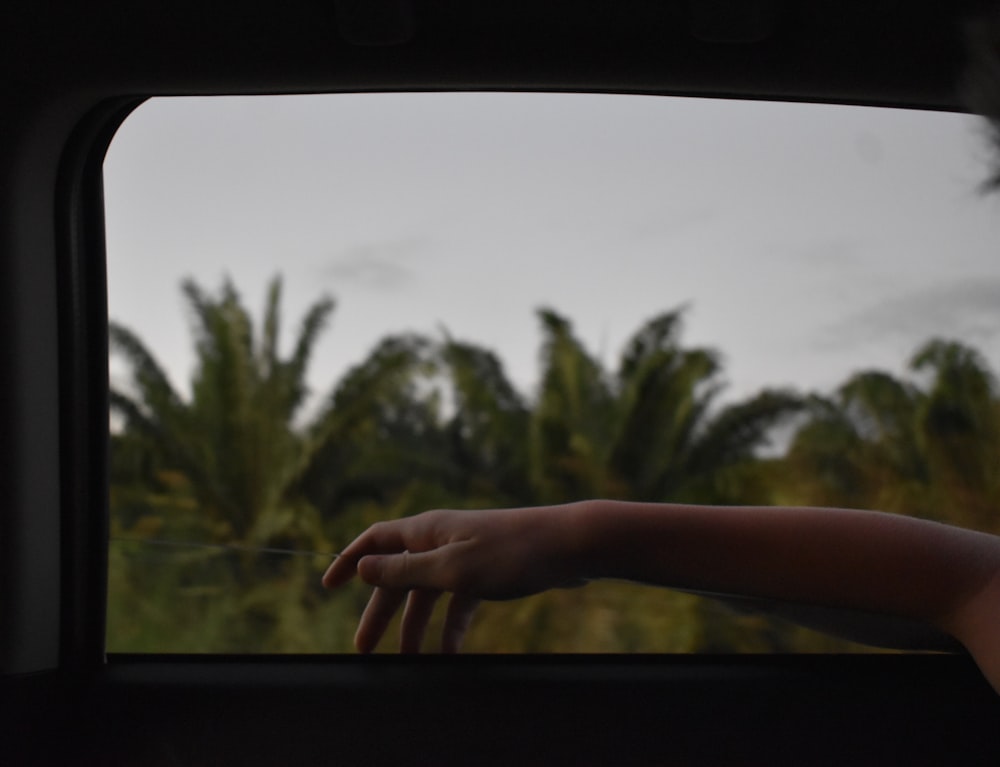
773,710
83,383
877,52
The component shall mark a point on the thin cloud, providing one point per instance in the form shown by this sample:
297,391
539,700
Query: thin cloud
968,310
378,265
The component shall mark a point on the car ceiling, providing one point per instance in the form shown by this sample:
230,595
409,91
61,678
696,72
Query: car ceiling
857,51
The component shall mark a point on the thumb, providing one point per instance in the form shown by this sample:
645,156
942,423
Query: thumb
398,571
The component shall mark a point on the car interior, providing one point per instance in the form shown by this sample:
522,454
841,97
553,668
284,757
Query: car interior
71,74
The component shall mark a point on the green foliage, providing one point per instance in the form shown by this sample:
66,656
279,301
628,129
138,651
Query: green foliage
422,423
927,447
650,432
233,439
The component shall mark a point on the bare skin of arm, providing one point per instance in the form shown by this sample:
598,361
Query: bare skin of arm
877,577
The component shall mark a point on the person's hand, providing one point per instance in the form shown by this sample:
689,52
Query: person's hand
473,555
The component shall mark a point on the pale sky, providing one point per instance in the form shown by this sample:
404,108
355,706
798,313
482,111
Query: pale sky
809,241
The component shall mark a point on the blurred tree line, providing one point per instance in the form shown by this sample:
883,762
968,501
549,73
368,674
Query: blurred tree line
435,423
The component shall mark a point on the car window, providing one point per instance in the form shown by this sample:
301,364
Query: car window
331,310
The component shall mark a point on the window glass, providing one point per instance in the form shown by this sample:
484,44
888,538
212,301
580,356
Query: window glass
330,310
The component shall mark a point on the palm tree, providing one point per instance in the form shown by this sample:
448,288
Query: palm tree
487,428
224,463
651,431
233,440
858,448
420,424
383,446
572,419
958,428
928,447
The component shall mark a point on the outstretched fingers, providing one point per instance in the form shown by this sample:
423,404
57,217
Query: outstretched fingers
384,604
461,608
416,616
394,577
376,618
413,560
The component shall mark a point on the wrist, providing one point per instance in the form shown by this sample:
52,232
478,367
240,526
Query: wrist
628,540
586,527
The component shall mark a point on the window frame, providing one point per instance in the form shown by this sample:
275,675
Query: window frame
84,384
783,709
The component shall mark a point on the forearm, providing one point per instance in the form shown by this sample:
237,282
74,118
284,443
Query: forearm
850,569
854,560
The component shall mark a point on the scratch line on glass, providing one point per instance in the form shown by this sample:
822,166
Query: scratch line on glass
225,547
